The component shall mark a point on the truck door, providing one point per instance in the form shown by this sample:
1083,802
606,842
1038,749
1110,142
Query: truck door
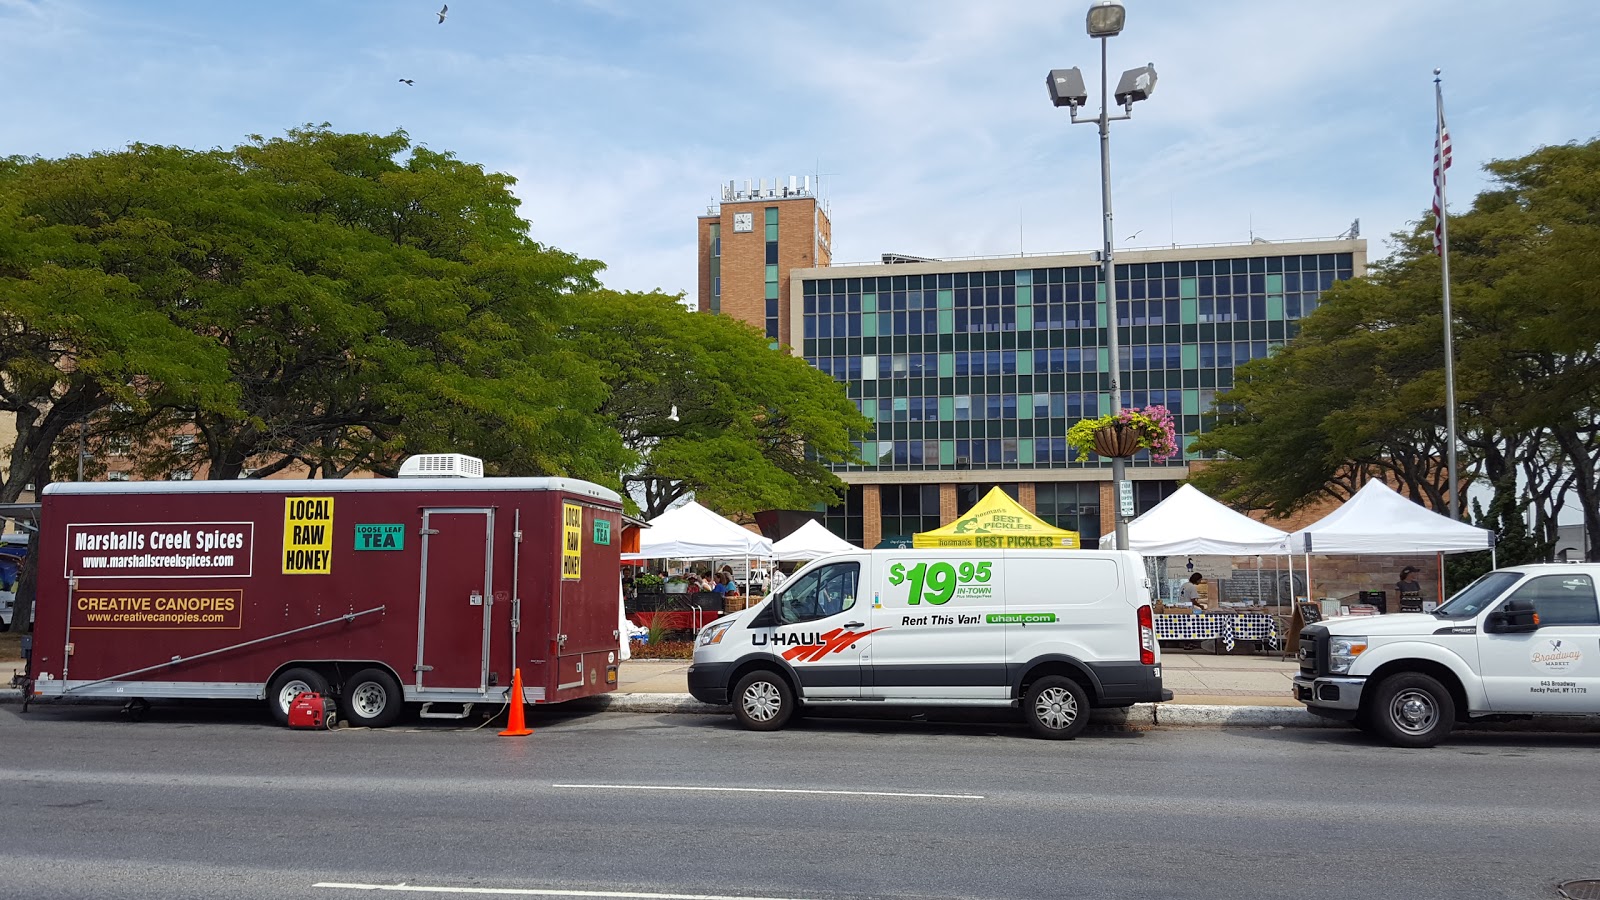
456,595
1555,668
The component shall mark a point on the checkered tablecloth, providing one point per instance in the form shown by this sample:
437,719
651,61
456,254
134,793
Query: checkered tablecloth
1224,627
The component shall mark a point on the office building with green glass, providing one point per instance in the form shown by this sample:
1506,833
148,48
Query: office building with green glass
972,370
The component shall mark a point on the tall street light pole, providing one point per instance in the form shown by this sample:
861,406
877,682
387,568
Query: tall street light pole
1105,20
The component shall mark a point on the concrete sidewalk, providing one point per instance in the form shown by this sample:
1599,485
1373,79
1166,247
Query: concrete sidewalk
1195,679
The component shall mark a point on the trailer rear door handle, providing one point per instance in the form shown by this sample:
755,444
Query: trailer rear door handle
421,668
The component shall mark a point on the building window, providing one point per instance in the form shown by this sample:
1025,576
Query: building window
116,476
908,509
182,443
772,273
845,519
1073,505
716,268
968,495
180,475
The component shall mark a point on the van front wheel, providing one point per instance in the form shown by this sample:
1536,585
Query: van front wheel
1057,708
762,701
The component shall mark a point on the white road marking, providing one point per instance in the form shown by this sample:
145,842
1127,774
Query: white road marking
748,790
533,892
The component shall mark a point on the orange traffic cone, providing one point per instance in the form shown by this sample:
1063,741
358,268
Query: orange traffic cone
518,726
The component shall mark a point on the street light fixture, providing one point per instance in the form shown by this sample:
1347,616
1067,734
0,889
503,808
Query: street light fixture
1106,19
1066,87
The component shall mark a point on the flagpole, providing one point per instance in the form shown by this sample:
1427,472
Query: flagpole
1440,164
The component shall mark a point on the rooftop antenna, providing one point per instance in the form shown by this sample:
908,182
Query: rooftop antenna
1172,222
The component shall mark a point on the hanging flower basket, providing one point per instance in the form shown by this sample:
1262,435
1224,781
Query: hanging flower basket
1116,439
1126,433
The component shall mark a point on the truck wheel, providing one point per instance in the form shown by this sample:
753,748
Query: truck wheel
371,699
291,684
762,701
1057,708
1412,710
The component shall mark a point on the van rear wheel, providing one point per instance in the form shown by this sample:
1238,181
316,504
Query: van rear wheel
762,701
1057,708
291,684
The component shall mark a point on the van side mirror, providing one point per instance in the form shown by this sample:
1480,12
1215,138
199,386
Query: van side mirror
1515,617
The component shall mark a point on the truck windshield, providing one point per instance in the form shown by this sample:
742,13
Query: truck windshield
1475,597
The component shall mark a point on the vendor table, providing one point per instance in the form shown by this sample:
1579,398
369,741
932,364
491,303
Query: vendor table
1224,628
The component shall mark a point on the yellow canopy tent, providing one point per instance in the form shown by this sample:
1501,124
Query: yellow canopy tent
998,522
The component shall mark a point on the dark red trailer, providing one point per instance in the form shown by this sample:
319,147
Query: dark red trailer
378,591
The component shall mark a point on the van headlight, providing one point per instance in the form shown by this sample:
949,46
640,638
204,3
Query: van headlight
712,634
1342,651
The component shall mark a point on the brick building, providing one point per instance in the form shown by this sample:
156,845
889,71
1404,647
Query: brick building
749,245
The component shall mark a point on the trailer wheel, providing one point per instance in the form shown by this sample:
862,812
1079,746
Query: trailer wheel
1057,708
291,684
371,698
762,701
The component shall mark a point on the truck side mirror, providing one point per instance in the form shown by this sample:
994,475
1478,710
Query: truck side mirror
1515,617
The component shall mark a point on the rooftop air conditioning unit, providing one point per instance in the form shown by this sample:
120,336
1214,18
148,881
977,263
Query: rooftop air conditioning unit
442,465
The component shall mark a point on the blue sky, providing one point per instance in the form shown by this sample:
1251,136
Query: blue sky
620,118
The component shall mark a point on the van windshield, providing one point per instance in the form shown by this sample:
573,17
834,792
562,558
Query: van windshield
1475,597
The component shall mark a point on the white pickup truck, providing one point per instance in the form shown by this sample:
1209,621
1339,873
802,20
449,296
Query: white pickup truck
1520,641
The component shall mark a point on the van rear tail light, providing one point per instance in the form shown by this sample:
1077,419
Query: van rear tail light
1147,636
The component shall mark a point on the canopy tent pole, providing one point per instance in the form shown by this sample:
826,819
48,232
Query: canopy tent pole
1310,590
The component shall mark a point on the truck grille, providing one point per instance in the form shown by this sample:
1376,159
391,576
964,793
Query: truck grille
1313,647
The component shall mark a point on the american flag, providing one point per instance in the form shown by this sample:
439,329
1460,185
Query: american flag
1441,162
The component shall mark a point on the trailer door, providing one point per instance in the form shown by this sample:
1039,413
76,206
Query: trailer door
456,596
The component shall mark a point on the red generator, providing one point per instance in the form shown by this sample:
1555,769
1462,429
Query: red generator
309,710
378,592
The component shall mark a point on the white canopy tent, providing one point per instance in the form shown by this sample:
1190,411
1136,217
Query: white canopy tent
810,541
1379,521
691,531
1190,523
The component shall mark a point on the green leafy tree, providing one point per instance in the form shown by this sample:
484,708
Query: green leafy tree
77,335
370,300
1360,391
707,407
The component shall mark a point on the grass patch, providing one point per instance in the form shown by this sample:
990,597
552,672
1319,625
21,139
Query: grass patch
10,645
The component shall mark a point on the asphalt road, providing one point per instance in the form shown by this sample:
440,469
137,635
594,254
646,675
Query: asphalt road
213,802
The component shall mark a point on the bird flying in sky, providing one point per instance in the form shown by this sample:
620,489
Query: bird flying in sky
406,81
442,11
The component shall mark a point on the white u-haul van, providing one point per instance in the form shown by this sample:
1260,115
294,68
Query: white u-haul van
1056,632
